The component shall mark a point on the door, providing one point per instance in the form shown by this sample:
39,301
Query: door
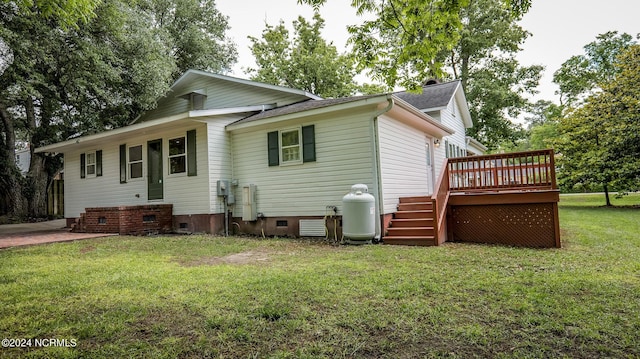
154,175
429,158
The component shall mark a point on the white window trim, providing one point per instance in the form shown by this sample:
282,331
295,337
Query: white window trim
281,148
129,162
94,164
169,157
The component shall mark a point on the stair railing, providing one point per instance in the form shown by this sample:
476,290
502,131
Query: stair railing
440,199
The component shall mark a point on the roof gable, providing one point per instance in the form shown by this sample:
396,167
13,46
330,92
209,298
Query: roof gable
432,97
221,91
437,97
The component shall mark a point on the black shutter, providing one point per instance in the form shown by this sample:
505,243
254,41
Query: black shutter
82,165
123,163
274,148
192,169
308,144
99,163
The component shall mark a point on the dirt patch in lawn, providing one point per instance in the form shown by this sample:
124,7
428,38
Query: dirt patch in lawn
87,249
249,257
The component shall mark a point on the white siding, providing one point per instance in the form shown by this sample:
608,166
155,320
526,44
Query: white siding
23,160
220,165
438,159
220,94
452,118
344,157
403,162
189,195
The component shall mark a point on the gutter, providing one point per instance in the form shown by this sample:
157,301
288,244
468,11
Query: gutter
376,166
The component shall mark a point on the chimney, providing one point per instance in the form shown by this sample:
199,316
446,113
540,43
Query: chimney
430,82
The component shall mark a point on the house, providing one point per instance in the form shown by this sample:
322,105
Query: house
23,159
222,154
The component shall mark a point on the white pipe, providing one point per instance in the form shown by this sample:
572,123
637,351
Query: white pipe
376,166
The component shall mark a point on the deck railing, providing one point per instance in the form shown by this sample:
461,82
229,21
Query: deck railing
505,171
440,199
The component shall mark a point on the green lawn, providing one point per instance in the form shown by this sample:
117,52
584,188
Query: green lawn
199,296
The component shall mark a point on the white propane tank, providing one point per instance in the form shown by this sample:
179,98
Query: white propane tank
358,215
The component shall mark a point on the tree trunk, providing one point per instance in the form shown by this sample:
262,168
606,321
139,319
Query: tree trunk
38,182
38,178
16,204
606,195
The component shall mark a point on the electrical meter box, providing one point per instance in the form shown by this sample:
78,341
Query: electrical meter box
222,188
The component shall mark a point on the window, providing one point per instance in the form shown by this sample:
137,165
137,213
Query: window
177,155
290,148
135,162
91,164
293,145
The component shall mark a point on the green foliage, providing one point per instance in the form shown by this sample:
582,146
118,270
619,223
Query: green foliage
402,45
542,130
59,81
581,75
195,34
600,141
410,41
306,62
495,83
66,13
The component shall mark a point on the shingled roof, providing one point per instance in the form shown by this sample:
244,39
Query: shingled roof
432,97
302,106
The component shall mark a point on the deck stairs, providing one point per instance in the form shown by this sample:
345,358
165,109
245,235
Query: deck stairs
413,223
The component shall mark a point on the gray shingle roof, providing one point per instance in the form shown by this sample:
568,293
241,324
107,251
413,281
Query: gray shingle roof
432,96
300,107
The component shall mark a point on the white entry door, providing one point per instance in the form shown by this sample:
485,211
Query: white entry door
429,159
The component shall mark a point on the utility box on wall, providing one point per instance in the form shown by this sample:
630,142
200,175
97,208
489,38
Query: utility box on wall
249,208
222,188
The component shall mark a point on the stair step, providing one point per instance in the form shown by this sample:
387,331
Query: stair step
416,206
410,231
410,240
411,222
417,214
419,199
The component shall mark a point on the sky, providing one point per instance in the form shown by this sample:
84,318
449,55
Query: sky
559,28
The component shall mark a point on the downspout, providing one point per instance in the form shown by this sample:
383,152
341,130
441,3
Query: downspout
376,167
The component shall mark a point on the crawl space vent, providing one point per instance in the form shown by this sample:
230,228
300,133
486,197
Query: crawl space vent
312,228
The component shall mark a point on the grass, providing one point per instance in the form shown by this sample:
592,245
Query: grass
195,297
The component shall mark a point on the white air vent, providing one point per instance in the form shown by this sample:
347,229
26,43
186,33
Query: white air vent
312,228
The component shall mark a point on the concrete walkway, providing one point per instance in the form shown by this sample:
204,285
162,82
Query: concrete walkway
24,234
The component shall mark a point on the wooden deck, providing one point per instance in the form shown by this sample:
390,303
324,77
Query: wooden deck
504,198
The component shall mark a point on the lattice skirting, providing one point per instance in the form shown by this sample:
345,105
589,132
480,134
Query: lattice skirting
529,225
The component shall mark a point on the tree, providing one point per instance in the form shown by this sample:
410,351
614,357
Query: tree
306,62
195,34
400,47
61,82
543,125
495,83
580,75
600,141
66,13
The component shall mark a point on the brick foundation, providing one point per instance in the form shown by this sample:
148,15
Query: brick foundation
127,220
286,226
199,223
